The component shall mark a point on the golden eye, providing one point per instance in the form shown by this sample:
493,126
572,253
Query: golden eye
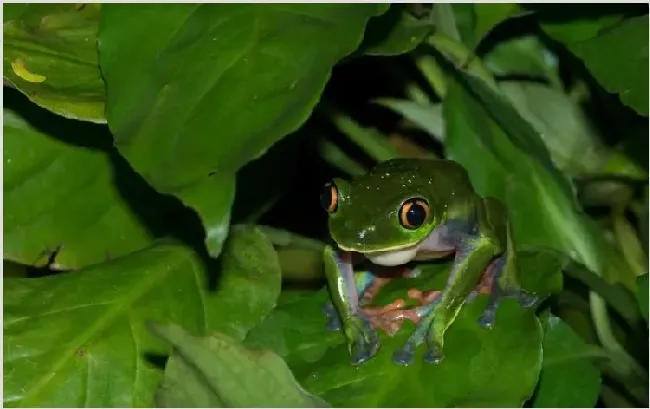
413,213
329,197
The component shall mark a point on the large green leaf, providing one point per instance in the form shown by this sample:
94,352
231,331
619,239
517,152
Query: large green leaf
616,53
497,367
210,87
65,191
642,294
98,352
515,167
248,285
11,11
571,139
217,371
475,21
569,377
50,54
78,339
524,56
394,32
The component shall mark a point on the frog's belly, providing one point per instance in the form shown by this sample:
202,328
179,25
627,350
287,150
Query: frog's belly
432,254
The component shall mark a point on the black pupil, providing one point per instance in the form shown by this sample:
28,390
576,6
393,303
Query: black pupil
326,197
416,214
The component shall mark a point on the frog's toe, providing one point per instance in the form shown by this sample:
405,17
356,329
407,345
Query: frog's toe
433,354
333,324
488,317
405,355
360,352
362,338
527,300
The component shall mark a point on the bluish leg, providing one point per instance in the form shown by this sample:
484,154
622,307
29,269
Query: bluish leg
503,286
363,280
405,355
473,255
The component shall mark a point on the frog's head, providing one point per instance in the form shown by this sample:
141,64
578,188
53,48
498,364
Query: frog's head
384,215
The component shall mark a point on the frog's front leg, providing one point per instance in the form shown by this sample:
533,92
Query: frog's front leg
362,339
473,255
364,280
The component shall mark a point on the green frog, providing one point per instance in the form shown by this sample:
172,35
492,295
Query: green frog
405,211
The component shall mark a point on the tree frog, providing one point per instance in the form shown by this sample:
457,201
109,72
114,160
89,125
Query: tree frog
410,210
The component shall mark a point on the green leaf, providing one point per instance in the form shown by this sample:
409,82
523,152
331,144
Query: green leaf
94,319
568,377
570,138
212,199
394,32
426,116
516,168
475,21
213,86
184,387
616,53
523,56
540,271
371,140
642,294
66,190
229,374
489,15
12,11
248,286
444,16
50,55
497,367
78,339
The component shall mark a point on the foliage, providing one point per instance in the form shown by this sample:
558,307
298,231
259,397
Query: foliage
163,237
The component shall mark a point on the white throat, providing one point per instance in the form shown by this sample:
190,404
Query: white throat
392,258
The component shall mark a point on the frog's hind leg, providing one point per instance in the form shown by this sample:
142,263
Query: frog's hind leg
500,281
364,280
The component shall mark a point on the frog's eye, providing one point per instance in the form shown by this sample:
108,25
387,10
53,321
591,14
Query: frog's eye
329,197
413,213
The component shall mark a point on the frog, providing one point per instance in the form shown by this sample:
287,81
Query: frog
406,211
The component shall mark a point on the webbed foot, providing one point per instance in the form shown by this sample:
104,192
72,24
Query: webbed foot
488,318
363,341
491,284
433,354
406,354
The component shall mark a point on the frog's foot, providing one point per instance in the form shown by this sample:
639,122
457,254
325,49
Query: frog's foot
363,342
406,354
391,317
372,290
378,282
498,294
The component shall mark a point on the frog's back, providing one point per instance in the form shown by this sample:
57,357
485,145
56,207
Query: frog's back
438,176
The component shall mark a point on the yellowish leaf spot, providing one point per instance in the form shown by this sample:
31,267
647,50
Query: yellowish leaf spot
19,68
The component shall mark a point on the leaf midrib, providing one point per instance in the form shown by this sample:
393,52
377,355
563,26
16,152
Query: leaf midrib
102,322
